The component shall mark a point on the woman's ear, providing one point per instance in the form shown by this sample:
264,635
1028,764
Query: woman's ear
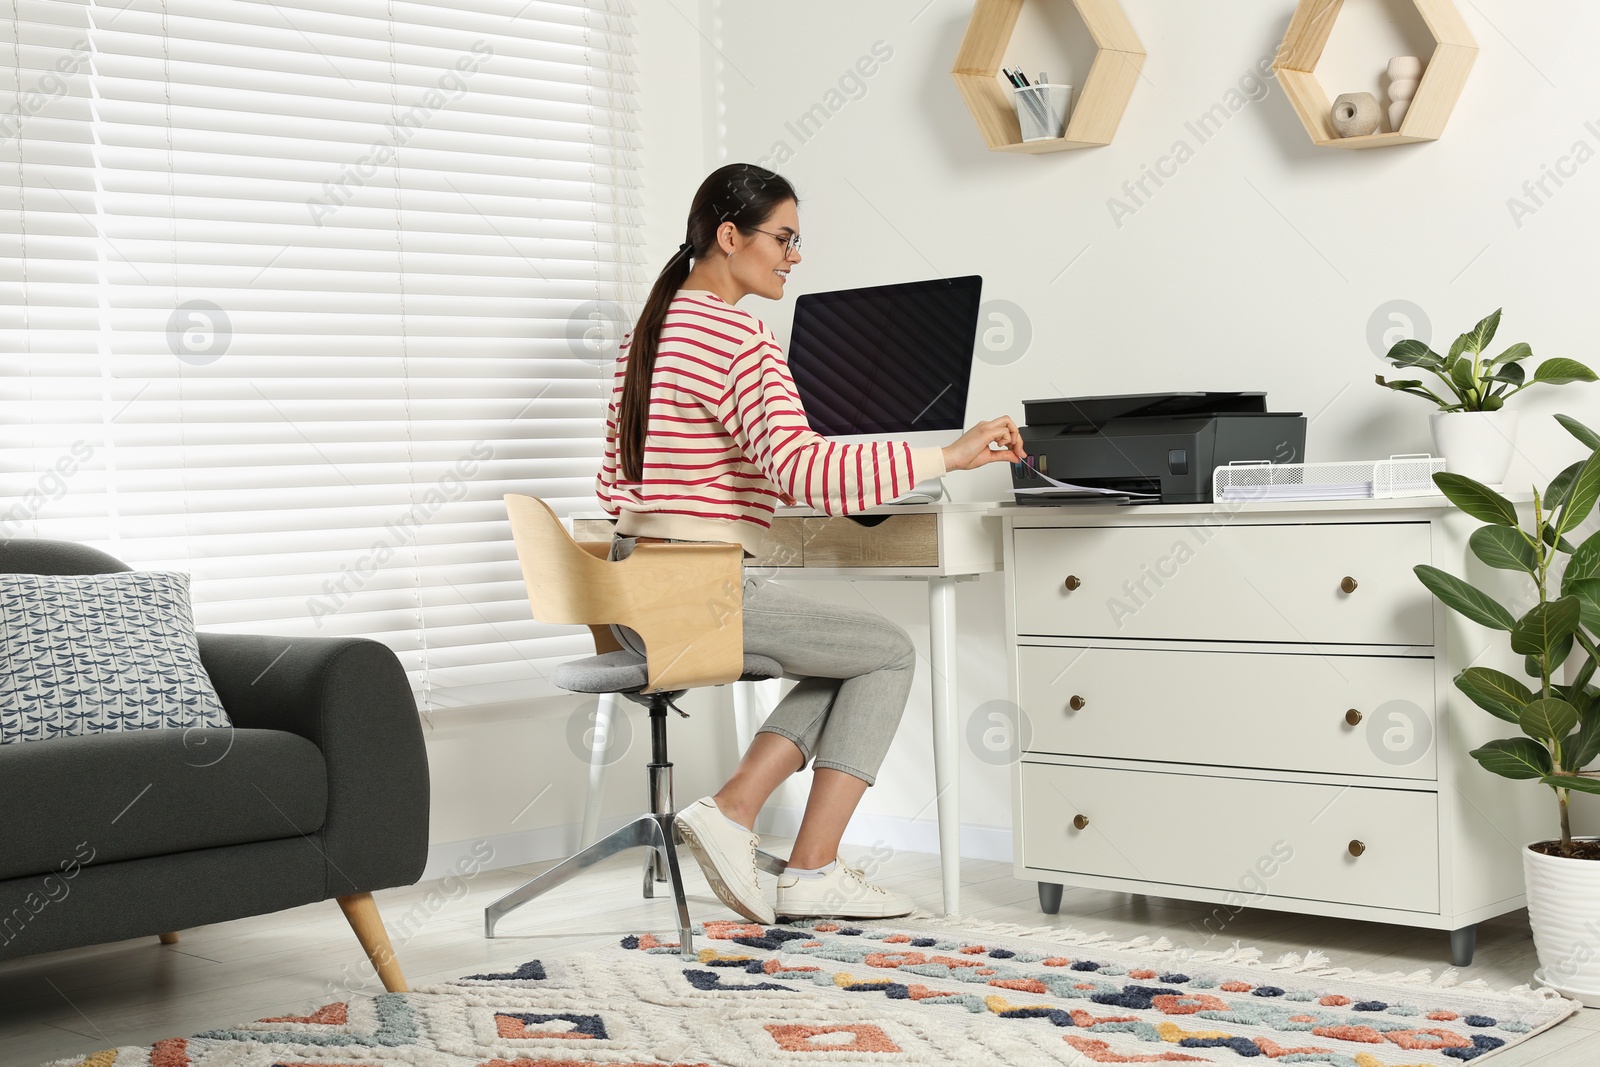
725,236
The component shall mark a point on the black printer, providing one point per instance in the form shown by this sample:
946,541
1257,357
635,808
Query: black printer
1147,447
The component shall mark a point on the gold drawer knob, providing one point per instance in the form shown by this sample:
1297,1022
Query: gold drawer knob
1357,848
1076,703
1080,821
1072,582
1353,717
1348,585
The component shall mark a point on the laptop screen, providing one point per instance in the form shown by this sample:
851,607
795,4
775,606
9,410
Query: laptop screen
886,359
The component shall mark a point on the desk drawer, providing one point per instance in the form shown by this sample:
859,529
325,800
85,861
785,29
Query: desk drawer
782,547
1219,833
1237,709
1244,582
593,529
893,541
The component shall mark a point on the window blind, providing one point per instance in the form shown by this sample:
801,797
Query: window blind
297,291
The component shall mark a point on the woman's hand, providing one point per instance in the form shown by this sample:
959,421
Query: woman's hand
972,449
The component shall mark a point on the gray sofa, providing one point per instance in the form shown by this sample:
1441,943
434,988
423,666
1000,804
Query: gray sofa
318,790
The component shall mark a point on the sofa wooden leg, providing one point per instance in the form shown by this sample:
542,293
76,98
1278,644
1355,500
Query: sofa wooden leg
362,912
170,939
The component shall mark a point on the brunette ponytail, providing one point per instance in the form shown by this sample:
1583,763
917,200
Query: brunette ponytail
741,193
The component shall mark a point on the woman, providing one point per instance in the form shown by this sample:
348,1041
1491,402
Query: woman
705,435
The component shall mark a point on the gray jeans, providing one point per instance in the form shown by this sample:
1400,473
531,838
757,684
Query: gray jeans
853,669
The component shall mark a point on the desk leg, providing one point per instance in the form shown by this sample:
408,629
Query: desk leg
752,703
946,736
744,730
598,756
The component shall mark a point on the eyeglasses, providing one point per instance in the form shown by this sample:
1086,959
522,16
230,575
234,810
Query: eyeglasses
790,242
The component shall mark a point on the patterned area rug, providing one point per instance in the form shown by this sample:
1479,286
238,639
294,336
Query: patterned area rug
908,992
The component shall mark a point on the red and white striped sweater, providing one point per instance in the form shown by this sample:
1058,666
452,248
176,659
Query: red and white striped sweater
727,431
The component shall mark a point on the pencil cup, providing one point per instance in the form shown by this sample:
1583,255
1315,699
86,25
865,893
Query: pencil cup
1042,111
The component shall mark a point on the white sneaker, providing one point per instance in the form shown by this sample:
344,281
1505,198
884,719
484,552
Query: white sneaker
727,855
842,893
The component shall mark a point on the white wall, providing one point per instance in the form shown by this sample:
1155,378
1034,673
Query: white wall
1259,264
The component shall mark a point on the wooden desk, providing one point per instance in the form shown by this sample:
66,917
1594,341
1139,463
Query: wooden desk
940,544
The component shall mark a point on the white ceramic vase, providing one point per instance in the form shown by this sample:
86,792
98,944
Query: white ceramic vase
1564,911
1477,444
1405,74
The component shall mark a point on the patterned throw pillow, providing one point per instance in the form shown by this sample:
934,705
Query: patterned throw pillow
91,653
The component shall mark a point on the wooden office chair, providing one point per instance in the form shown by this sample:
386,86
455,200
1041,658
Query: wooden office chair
686,602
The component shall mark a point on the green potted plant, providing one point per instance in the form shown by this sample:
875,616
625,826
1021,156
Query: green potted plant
1559,722
1472,429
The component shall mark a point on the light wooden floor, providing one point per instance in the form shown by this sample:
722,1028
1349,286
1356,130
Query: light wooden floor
138,992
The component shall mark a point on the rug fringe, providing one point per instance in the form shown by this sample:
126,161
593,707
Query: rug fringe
1312,964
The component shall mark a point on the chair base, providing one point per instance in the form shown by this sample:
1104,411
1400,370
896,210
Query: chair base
653,875
653,831
656,831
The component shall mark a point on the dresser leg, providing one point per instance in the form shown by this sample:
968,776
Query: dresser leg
1462,944
1050,897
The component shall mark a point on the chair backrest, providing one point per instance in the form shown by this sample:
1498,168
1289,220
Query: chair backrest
685,600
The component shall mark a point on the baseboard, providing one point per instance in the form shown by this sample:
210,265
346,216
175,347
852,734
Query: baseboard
897,832
464,858
508,850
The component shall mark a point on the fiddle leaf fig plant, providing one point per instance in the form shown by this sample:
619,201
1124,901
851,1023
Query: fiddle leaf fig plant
1560,723
1477,382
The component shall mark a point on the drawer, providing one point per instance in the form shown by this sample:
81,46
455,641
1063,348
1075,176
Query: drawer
895,541
1229,834
1237,709
782,547
1243,582
593,529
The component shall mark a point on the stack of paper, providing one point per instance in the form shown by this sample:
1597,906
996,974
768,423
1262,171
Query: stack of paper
1057,488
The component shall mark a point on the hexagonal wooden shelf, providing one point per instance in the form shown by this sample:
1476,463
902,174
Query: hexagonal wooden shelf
1453,54
1100,102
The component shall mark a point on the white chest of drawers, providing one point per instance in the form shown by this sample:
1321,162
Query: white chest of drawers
1251,705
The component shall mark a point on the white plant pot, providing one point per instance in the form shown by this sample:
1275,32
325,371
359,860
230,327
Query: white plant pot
1564,911
1477,444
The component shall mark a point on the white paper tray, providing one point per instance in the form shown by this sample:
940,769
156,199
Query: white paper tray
1364,479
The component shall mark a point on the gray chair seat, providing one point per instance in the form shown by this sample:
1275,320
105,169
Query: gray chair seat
624,672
